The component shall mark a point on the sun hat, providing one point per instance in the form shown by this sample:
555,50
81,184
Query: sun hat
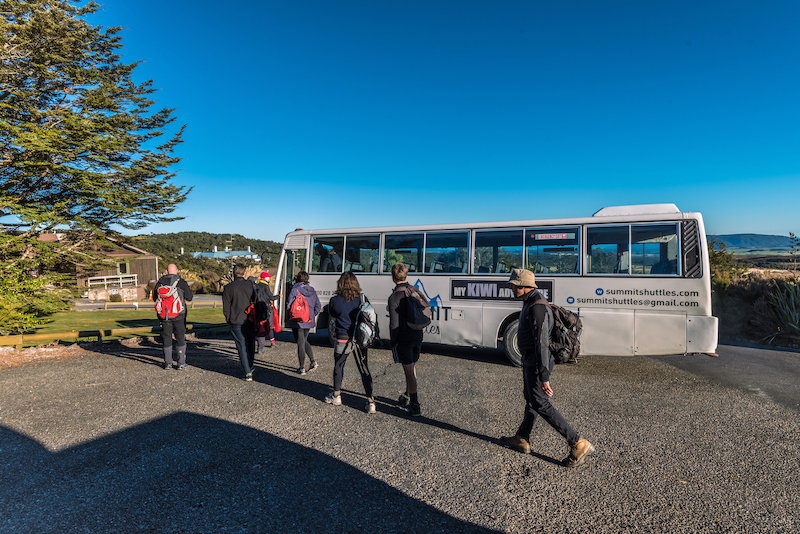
523,278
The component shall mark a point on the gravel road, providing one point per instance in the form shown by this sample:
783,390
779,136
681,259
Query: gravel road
110,442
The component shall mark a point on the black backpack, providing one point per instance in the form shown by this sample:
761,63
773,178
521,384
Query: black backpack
262,303
565,339
418,310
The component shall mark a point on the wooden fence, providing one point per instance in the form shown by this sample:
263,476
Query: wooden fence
145,304
19,340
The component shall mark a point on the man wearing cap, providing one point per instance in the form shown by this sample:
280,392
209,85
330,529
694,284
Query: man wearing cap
533,338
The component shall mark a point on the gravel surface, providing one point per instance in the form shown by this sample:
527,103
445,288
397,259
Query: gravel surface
105,440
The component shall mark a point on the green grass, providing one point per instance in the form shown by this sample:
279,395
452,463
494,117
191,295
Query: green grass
69,321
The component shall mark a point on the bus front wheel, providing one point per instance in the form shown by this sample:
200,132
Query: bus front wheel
510,345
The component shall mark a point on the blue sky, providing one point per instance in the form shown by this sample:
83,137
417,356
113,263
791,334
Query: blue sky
328,114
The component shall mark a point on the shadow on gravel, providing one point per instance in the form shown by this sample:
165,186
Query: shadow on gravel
190,473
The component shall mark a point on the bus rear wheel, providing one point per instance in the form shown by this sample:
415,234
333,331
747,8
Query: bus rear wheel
510,345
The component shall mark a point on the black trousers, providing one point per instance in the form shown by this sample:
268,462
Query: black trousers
538,403
178,326
303,346
340,353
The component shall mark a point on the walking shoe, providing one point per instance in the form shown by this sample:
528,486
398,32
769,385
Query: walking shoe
301,371
313,366
578,454
262,351
516,443
370,407
403,400
272,343
248,377
167,366
413,409
336,400
182,367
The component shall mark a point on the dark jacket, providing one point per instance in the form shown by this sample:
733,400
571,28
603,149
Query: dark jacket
184,291
345,314
533,336
314,306
399,331
236,298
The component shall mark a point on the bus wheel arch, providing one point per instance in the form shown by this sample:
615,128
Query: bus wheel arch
510,329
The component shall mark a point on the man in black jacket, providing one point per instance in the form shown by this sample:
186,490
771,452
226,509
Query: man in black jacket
236,298
533,339
406,342
174,324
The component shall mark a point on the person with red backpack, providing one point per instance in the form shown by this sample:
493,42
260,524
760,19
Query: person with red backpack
171,294
302,307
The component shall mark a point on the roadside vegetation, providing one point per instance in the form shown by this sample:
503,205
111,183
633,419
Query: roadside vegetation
755,304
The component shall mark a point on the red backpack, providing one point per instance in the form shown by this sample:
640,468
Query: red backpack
169,303
298,311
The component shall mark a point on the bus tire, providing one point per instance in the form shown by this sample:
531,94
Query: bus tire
511,345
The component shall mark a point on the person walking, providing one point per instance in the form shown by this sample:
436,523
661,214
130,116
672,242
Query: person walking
344,308
301,328
264,313
533,338
237,297
406,342
173,324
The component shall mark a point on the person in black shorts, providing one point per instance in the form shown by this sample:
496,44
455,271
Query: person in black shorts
406,342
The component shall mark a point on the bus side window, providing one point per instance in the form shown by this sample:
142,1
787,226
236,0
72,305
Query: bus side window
402,248
446,252
497,250
654,249
607,249
328,252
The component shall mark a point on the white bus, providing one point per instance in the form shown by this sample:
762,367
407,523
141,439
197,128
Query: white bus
638,276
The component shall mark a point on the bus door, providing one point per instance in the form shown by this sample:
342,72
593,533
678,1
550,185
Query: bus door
294,261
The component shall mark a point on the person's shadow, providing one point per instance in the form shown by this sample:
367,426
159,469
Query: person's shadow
191,473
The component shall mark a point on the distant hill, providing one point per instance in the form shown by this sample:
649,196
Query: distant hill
755,243
169,245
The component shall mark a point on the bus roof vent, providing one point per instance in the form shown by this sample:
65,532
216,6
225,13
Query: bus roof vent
294,242
638,209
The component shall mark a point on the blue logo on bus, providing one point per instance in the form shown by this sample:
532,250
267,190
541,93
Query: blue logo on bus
570,300
599,291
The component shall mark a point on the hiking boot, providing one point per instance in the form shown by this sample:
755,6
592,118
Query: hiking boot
248,377
370,407
413,409
301,371
516,443
167,366
336,400
578,454
182,367
313,366
403,400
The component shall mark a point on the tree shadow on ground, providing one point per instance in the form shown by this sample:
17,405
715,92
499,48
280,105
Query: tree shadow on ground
191,473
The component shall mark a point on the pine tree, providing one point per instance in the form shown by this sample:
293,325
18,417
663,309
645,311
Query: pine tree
78,142
79,149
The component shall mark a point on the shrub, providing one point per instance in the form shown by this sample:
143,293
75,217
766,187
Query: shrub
784,305
116,297
724,267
